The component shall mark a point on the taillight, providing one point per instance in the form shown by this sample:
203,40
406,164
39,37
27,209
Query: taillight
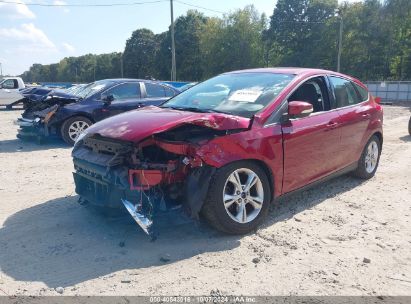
377,99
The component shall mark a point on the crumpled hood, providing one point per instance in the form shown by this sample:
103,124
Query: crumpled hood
40,94
139,124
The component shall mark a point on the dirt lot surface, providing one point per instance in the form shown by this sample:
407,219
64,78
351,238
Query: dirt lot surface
346,237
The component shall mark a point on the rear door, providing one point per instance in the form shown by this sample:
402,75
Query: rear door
355,112
155,94
311,143
127,96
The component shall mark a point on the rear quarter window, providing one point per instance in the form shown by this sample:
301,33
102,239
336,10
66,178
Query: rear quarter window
362,92
169,92
344,92
155,90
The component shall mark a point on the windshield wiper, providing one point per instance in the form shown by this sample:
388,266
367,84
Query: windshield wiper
193,109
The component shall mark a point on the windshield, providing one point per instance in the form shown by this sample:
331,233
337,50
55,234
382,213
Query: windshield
92,88
74,89
241,94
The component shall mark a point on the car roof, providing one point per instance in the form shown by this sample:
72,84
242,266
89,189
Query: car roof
131,80
287,70
304,72
139,80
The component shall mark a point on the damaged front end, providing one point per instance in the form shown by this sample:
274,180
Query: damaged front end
158,174
38,124
37,118
34,103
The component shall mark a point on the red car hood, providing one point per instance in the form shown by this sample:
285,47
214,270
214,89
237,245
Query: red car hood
139,124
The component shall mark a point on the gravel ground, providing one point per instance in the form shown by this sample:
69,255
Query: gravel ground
346,237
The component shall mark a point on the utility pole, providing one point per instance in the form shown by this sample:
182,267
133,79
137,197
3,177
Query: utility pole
173,47
121,65
340,45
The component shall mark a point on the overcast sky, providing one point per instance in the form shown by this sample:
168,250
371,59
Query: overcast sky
34,34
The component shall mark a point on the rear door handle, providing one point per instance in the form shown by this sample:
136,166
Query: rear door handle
365,115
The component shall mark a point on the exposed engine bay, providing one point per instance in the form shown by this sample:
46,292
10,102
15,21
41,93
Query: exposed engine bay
160,173
39,107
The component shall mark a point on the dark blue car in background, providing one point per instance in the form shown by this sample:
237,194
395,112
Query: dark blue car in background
67,113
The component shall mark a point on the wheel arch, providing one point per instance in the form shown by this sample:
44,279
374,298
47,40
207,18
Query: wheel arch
82,114
85,115
379,136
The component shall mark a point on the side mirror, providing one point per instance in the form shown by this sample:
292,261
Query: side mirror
297,109
107,99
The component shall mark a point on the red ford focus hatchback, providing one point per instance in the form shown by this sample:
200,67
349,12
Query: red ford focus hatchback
230,145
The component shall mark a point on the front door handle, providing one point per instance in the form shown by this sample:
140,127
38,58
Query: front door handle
332,124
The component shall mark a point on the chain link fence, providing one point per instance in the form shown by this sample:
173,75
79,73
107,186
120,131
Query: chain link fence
396,92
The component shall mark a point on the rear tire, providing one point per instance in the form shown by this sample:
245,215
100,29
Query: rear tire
370,158
72,128
233,207
409,126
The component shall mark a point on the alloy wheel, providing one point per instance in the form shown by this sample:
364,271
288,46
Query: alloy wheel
76,128
371,157
243,195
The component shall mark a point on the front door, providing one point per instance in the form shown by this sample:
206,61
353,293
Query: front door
311,143
126,97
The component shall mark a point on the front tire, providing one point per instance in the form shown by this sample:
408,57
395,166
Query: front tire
409,126
238,198
72,128
370,157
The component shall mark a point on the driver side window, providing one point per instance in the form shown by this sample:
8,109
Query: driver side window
313,91
10,84
125,91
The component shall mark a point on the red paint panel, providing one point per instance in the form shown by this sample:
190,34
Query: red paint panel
144,179
263,144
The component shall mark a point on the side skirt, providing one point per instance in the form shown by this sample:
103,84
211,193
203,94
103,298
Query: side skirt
343,171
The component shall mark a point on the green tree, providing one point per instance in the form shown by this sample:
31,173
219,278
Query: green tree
398,19
302,33
187,29
139,54
234,42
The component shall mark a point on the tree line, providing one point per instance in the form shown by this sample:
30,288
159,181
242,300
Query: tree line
376,44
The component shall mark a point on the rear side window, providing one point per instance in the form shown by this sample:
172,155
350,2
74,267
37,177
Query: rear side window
362,92
125,91
344,92
155,90
169,92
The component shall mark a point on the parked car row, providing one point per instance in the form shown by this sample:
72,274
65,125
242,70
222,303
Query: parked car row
65,114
